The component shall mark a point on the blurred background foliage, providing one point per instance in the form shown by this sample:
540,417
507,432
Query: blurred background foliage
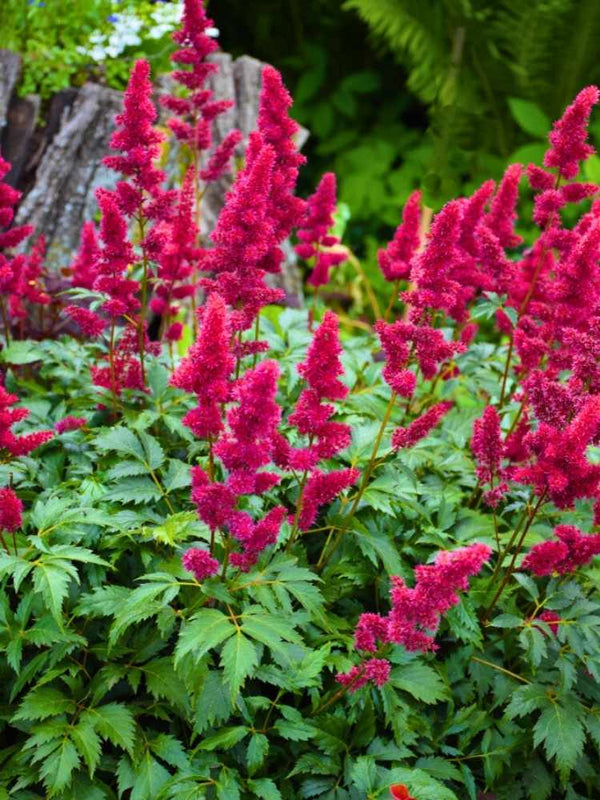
397,94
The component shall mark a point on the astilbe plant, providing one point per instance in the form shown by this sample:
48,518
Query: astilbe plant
295,560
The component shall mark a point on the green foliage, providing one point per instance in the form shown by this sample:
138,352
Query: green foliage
123,676
487,71
96,39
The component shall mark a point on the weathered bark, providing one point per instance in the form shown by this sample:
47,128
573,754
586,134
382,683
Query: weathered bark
10,69
19,134
70,171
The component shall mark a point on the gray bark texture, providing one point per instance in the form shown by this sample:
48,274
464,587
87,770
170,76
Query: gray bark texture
10,69
70,171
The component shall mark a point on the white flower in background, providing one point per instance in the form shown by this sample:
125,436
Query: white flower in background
166,18
129,30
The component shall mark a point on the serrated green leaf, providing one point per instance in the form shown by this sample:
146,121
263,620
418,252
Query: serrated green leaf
170,750
420,680
114,722
150,777
57,769
120,440
560,729
207,629
224,739
258,748
238,659
264,788
153,453
88,743
135,490
44,702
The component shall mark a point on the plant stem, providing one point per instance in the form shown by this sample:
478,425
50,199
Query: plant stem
511,567
111,361
3,540
500,669
162,491
5,320
363,484
142,322
393,298
506,371
256,337
369,289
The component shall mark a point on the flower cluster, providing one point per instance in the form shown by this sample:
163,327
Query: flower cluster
415,612
571,549
84,268
11,510
395,261
260,211
195,112
244,447
488,451
29,286
177,261
312,419
17,444
316,239
70,423
401,341
206,370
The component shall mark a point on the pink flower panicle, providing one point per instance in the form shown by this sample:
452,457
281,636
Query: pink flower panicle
486,445
9,198
323,367
115,257
428,344
29,288
196,111
11,510
255,537
376,670
395,261
178,258
246,445
420,427
278,130
200,563
90,323
571,549
252,424
314,235
312,416
84,268
321,488
220,160
431,273
69,424
417,611
559,467
244,236
568,138
501,217
139,142
370,629
14,444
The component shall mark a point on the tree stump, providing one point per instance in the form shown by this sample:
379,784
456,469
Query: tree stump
10,69
70,171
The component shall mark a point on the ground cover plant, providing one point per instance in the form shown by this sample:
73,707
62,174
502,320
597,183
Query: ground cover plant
306,556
